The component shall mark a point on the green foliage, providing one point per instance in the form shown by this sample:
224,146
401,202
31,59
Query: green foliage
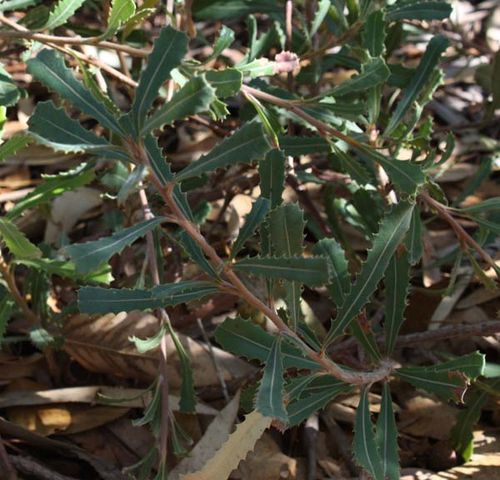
279,141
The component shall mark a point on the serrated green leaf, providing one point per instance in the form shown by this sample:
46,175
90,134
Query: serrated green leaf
365,337
418,10
90,255
7,5
226,82
13,145
246,339
7,305
188,395
9,93
406,176
61,12
365,448
316,395
386,436
462,431
397,280
413,242
16,242
224,40
52,187
144,345
269,400
256,216
246,145
339,268
52,127
272,176
319,16
194,97
286,223
295,146
374,33
106,300
447,380
195,253
425,69
67,270
352,166
222,9
121,11
391,233
373,73
168,50
49,68
489,205
312,271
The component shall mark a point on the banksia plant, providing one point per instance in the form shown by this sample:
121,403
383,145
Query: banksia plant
349,135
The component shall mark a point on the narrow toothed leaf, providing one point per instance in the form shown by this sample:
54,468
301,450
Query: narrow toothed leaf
16,241
462,431
418,10
9,93
13,145
49,68
269,400
194,97
373,73
51,187
121,11
413,242
63,10
224,40
386,436
252,222
104,300
448,380
366,452
339,269
374,33
425,69
244,338
406,176
168,50
312,271
286,227
397,281
90,255
364,335
226,82
195,253
318,393
246,145
391,233
295,146
52,127
272,176
490,205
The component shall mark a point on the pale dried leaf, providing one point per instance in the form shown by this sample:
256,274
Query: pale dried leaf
101,344
240,443
217,433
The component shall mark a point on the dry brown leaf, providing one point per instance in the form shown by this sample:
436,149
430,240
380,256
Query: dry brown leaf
216,434
63,419
425,417
101,344
124,397
240,443
267,462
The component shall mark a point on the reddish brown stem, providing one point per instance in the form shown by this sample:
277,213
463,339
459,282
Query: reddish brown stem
463,237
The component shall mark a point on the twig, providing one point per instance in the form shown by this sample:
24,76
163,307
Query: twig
21,33
443,333
164,320
463,237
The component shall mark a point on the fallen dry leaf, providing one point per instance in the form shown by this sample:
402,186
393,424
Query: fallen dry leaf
240,443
